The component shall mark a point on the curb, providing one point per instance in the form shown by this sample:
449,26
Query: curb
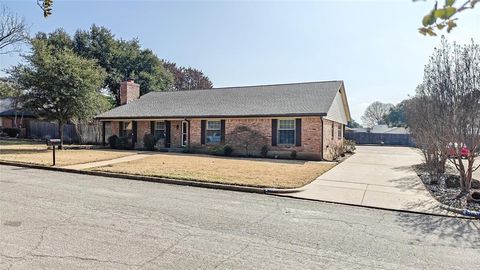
143,178
465,212
282,190
375,207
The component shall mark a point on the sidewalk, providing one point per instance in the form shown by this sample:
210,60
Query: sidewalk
375,176
84,166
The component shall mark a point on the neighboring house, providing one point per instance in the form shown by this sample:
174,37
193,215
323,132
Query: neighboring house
381,134
10,118
308,118
381,129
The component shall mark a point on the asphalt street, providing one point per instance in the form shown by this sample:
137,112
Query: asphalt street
54,220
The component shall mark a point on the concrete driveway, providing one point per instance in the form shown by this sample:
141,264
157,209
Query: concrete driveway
378,176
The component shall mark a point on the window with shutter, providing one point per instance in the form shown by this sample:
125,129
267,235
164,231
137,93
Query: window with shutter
286,131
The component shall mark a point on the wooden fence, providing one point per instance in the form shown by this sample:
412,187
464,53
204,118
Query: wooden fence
89,133
378,138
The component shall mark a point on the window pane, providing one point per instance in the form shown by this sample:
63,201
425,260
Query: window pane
287,124
160,125
159,131
127,129
213,136
213,125
286,136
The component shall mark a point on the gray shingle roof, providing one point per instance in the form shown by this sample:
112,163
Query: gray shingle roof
313,98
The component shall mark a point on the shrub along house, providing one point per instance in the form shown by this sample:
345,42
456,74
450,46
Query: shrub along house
307,118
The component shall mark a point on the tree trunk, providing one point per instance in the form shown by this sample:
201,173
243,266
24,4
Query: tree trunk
60,134
463,176
15,120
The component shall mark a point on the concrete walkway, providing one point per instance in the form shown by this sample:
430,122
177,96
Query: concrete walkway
375,176
89,165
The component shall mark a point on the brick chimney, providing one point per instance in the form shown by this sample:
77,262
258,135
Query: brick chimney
129,90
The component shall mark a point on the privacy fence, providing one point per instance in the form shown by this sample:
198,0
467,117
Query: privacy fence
379,138
81,133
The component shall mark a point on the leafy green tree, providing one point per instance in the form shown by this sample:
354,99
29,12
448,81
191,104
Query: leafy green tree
125,59
122,59
60,85
6,89
443,16
187,78
396,117
353,124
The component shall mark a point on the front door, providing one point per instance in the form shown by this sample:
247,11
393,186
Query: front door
184,133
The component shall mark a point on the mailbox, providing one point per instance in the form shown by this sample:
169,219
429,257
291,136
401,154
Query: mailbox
53,141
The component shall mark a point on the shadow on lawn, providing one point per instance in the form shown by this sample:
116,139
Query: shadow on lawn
239,158
21,151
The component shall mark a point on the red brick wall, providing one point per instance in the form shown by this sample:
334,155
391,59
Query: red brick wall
129,90
312,134
330,142
7,122
143,127
115,126
195,131
175,134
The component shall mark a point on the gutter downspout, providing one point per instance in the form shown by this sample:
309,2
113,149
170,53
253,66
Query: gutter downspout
188,124
323,137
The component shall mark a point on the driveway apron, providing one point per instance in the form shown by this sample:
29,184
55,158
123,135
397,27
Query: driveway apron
376,176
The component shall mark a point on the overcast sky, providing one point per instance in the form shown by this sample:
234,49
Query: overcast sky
371,45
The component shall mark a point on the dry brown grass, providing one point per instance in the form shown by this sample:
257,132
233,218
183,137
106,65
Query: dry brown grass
238,171
37,153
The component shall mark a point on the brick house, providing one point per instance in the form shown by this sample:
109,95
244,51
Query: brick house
309,118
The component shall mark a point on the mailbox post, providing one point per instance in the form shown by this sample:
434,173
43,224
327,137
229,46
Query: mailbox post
53,142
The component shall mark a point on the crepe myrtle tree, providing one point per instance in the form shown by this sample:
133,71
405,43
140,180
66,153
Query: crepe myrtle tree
450,97
425,120
60,85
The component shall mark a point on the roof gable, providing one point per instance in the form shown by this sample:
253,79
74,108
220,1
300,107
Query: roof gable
339,111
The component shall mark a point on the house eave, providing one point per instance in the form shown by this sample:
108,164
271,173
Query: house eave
207,116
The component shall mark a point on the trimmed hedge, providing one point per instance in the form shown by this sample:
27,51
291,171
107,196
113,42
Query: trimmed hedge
112,141
11,132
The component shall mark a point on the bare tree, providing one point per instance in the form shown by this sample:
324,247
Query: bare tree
375,113
428,129
448,111
13,31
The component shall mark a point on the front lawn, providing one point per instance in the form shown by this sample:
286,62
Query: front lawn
37,153
238,171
